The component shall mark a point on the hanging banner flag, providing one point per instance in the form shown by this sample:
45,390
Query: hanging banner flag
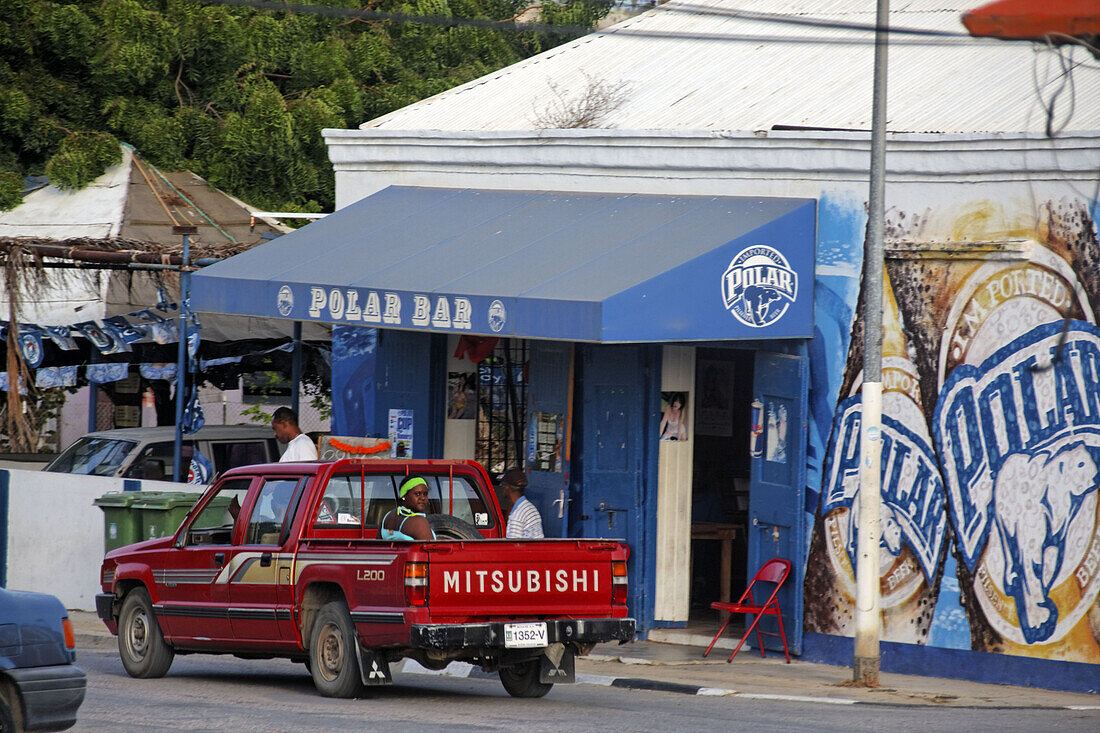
93,333
62,336
165,332
129,333
201,470
193,341
163,304
102,373
119,344
158,371
4,383
102,338
193,417
48,377
30,344
112,335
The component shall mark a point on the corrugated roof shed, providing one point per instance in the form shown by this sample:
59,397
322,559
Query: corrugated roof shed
135,200
752,65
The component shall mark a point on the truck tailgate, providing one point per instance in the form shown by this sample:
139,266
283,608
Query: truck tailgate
503,579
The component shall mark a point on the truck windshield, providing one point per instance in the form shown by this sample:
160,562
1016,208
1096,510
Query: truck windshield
92,456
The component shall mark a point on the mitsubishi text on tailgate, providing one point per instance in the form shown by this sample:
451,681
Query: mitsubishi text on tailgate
285,560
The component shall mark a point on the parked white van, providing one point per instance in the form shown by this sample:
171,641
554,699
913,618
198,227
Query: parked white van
147,453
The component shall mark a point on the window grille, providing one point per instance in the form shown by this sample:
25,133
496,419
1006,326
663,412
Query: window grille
502,406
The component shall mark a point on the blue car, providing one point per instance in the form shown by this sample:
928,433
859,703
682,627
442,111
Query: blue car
40,687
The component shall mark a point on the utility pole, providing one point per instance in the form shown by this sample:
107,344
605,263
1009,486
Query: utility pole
296,368
181,360
865,665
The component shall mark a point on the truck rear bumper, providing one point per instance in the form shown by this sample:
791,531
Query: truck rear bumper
459,636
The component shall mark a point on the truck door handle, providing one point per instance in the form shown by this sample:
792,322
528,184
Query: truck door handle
265,560
219,558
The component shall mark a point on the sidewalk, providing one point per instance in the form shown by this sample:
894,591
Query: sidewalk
681,668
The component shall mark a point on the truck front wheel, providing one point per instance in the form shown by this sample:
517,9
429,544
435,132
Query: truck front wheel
140,644
332,658
522,680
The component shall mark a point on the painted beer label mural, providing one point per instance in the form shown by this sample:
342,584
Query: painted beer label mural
991,450
912,514
1018,432
1020,440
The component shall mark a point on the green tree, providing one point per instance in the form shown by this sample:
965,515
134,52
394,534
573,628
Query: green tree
236,94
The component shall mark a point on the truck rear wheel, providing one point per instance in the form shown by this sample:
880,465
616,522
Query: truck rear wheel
448,527
522,680
332,658
141,646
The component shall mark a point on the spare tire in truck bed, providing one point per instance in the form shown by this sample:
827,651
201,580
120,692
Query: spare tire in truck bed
447,527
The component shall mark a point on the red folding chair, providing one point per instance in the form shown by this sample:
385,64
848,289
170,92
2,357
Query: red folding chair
775,571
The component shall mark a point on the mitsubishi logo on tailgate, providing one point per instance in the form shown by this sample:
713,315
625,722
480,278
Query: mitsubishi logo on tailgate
517,581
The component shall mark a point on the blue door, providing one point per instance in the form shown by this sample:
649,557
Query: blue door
776,511
549,420
618,436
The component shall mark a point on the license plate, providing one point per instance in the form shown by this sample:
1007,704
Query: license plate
523,636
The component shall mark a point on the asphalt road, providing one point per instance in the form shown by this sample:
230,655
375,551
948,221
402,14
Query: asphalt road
211,693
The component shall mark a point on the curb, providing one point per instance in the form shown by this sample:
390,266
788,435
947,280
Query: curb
469,671
85,640
465,670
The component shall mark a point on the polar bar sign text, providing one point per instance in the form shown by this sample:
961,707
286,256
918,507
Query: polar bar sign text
344,304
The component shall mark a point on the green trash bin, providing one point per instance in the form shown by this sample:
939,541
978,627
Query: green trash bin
162,512
121,524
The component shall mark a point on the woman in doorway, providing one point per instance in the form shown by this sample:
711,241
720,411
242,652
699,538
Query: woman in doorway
674,420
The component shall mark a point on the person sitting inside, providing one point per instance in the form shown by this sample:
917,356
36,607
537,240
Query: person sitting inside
524,521
408,521
154,469
268,525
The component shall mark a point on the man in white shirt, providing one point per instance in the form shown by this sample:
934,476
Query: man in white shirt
524,521
298,445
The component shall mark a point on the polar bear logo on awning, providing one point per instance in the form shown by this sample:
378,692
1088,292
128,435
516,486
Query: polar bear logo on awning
759,285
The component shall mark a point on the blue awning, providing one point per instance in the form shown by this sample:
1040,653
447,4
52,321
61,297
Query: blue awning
537,264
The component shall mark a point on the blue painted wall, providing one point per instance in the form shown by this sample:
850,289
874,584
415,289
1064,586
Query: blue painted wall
375,371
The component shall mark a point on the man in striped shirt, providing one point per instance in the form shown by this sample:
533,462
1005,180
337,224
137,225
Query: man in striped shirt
524,521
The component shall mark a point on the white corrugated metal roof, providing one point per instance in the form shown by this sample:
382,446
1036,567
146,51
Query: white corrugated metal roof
56,213
694,64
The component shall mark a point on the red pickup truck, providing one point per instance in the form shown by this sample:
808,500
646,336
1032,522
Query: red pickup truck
311,581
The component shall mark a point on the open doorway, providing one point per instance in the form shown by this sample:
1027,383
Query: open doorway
720,483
